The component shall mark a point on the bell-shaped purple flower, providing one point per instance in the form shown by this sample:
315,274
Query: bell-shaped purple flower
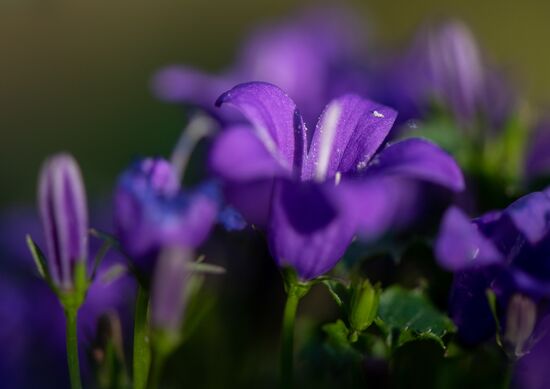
444,65
152,211
314,194
312,56
503,251
64,215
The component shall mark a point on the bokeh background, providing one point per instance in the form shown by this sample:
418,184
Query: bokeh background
75,75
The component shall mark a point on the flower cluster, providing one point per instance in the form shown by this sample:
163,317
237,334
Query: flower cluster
405,149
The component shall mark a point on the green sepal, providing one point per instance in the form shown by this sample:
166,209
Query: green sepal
204,268
293,285
39,259
492,300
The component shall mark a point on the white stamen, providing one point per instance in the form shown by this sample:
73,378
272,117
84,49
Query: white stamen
328,131
377,114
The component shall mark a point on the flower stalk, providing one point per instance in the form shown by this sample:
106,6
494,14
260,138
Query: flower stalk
295,291
71,314
142,349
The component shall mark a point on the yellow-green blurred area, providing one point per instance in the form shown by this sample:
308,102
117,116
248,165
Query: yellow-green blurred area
74,75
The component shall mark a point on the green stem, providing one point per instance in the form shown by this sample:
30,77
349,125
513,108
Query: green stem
287,347
72,348
156,368
142,349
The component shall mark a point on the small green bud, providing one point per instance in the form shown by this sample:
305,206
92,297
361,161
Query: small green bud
364,305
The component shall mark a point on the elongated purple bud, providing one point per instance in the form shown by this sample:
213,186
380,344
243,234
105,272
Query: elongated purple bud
62,205
170,289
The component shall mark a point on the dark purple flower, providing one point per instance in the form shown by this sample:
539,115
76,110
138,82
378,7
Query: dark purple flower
444,65
153,211
313,196
62,204
503,251
311,56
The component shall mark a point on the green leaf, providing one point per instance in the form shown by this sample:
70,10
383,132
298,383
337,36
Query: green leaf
39,258
412,316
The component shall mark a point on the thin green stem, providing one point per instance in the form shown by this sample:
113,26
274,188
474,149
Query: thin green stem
72,348
287,346
142,349
156,368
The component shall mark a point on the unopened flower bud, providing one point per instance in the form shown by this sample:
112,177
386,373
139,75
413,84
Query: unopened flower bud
62,204
364,305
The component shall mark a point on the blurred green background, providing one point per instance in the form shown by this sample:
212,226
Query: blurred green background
74,75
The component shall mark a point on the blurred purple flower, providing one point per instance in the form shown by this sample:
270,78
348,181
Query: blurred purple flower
64,216
531,372
503,251
445,65
315,196
313,57
152,211
537,162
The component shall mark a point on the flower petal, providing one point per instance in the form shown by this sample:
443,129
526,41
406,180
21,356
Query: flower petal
307,229
531,215
460,245
180,84
252,199
274,116
420,159
152,212
239,155
347,135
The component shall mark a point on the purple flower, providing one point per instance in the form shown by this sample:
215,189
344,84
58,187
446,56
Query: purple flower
503,251
444,64
64,216
153,211
311,56
314,194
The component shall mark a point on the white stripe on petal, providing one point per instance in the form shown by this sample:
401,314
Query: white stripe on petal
328,132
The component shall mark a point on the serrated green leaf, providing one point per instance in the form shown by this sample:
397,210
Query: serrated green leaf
412,315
